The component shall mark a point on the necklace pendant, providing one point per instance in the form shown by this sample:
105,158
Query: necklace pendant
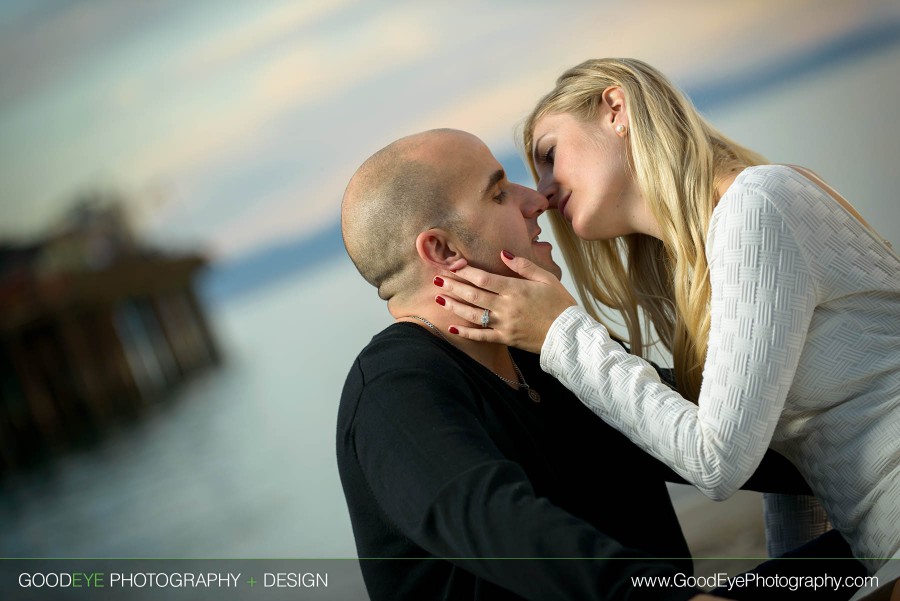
533,395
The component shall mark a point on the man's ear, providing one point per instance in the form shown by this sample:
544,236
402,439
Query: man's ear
438,248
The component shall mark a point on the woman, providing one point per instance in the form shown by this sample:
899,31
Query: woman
779,303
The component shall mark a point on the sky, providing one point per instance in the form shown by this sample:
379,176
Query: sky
230,126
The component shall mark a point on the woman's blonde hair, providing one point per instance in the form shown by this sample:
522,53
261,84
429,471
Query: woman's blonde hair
678,159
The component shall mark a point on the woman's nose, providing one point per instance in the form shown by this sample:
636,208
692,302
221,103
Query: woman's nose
548,189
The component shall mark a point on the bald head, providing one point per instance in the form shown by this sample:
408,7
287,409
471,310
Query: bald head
397,193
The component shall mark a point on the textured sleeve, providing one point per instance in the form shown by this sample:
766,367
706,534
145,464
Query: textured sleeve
762,302
439,478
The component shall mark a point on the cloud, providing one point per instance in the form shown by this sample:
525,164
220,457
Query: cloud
296,78
245,37
203,93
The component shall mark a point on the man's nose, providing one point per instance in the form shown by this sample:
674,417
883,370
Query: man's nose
533,203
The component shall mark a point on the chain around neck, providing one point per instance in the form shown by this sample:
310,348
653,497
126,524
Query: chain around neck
522,384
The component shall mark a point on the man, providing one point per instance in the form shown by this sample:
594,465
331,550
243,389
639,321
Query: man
462,461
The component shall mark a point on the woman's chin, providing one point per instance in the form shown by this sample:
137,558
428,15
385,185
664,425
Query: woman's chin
593,234
585,233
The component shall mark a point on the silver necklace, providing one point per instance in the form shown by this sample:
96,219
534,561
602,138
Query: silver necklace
522,384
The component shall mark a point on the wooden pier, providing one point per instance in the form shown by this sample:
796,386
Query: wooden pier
81,349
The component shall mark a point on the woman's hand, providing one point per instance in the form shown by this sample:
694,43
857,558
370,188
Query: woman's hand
521,310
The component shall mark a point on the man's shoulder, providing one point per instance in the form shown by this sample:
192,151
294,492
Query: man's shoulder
399,345
401,361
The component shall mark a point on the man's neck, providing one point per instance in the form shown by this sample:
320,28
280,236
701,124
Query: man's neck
493,356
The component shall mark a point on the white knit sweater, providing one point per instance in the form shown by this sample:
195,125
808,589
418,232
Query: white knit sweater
804,356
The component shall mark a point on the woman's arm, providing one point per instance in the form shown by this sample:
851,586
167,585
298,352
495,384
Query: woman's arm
762,301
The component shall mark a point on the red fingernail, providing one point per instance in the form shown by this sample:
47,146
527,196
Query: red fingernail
440,300
508,255
453,330
438,281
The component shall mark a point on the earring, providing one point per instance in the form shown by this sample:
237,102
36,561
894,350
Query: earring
620,129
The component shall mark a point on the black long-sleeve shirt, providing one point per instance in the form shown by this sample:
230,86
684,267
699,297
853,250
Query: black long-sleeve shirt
455,483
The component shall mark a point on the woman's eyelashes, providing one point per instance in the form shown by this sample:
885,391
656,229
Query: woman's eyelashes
548,156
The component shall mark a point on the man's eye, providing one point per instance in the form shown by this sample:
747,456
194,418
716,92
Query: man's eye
500,197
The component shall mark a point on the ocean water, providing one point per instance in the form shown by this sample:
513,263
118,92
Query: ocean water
239,463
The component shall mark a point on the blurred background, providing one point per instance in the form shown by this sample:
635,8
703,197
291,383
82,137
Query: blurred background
177,312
